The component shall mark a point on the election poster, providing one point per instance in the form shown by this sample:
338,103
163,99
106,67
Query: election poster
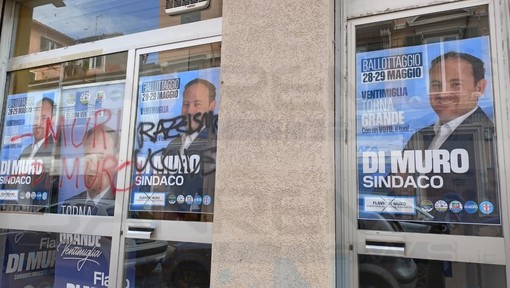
29,259
84,260
175,142
425,133
27,181
91,121
90,132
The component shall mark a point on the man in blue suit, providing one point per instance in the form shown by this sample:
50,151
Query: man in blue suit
43,185
199,140
101,160
457,81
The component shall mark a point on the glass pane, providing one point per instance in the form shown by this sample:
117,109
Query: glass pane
60,137
425,124
47,25
45,260
176,132
390,272
166,264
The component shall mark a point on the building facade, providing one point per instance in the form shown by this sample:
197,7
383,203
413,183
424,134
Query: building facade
254,144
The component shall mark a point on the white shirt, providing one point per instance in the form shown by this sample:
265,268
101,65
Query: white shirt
98,197
187,140
36,147
444,131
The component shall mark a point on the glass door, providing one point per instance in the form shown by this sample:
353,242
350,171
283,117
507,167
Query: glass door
59,158
428,201
170,197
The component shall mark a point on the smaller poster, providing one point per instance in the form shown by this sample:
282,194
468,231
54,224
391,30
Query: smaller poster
175,144
84,261
27,179
29,259
90,139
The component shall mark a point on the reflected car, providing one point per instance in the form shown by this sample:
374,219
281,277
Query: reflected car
187,265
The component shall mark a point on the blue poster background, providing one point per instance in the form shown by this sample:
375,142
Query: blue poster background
16,136
84,107
29,259
407,99
84,260
150,114
28,256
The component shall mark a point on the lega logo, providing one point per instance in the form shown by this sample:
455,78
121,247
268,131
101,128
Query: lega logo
172,199
84,98
427,205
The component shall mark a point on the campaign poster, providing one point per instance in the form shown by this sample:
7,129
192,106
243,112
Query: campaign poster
175,142
29,259
84,261
27,181
425,133
91,121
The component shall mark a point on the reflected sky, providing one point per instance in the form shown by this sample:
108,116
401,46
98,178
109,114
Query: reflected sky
86,18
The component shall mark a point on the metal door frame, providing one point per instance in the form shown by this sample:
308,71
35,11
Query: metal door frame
187,35
350,240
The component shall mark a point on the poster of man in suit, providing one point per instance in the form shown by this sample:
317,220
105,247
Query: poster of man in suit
28,152
175,147
426,135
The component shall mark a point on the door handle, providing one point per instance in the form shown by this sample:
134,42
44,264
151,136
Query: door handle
140,230
388,248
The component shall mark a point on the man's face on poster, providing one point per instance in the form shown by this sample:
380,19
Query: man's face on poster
453,89
42,118
100,161
196,101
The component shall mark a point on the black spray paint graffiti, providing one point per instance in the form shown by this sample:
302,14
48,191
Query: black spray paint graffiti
169,160
174,127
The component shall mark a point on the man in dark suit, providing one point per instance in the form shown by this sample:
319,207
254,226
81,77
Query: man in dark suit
42,188
456,83
101,152
199,140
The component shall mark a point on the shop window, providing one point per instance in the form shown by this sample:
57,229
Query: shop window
176,134
73,22
417,78
60,137
47,44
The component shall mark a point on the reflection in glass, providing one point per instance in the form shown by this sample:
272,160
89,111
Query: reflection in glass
28,257
425,125
44,25
176,134
392,272
167,264
45,260
57,117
